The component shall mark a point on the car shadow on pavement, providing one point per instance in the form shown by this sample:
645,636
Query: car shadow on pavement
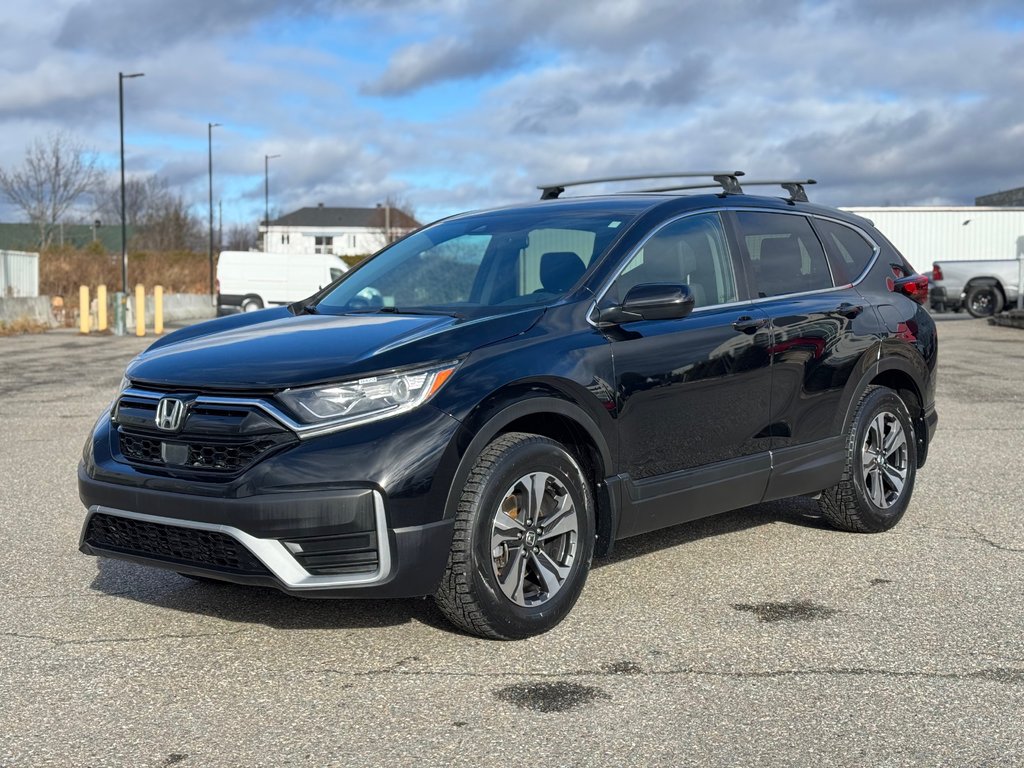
799,511
267,606
255,605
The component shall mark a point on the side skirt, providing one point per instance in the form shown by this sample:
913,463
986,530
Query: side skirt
680,497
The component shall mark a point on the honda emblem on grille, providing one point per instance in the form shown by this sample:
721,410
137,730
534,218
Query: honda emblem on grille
170,412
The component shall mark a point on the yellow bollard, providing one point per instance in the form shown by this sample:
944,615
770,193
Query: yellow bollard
140,310
83,309
158,309
101,308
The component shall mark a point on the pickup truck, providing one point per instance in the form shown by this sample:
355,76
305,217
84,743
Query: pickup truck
983,287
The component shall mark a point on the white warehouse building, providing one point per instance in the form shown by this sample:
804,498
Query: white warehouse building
339,231
925,234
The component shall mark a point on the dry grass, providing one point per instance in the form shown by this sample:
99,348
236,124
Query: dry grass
63,270
20,326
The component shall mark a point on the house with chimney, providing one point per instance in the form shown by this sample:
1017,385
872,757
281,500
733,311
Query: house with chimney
340,231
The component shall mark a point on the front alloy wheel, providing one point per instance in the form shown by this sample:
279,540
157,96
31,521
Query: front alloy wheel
523,541
534,539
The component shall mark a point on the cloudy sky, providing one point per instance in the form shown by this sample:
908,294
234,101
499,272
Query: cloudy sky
458,104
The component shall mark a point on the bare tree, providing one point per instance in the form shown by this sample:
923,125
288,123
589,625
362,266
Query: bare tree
393,219
58,172
160,219
240,237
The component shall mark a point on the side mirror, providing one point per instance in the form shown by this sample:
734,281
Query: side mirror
650,301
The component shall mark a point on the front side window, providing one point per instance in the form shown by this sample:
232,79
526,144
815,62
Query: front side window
784,253
475,263
693,251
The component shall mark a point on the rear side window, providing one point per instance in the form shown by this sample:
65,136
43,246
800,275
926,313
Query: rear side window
784,253
848,252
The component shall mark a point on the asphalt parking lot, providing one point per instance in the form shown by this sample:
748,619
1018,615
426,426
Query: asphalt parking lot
756,637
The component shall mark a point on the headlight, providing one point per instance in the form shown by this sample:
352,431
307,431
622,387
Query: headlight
367,399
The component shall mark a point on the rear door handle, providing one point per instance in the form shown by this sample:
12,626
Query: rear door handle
747,324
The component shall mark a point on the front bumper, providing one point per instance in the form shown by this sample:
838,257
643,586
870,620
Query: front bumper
313,544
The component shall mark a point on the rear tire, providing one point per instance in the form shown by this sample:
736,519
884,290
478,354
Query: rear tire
881,465
524,539
252,304
984,300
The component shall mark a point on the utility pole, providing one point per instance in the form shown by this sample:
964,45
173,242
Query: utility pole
209,139
119,309
266,198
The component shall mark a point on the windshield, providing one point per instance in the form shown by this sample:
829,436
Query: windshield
480,262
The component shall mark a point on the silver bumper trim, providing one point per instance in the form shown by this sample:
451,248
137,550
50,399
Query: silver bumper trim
273,554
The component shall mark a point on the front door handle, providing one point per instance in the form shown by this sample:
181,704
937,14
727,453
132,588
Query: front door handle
748,325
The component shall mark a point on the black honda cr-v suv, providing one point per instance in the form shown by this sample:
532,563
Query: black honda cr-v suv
484,406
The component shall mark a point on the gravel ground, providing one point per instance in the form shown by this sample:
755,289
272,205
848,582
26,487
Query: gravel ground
756,637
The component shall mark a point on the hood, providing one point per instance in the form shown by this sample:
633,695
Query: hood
274,349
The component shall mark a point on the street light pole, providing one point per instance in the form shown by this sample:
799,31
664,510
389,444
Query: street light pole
209,138
266,198
119,315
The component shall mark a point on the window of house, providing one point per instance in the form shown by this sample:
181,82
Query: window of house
848,252
784,253
323,244
286,239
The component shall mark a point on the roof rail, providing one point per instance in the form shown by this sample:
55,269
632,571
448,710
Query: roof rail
726,179
797,193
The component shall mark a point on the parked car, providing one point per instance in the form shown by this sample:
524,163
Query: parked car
252,280
983,287
486,405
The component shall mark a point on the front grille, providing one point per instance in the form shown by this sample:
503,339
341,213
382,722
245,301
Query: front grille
222,456
215,439
171,543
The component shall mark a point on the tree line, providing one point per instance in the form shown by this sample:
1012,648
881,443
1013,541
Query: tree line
59,175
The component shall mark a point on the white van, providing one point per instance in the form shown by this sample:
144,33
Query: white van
251,280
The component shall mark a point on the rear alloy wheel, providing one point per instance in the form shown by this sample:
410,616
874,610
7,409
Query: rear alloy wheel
524,539
881,465
984,301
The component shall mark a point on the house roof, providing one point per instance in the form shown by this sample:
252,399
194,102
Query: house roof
322,216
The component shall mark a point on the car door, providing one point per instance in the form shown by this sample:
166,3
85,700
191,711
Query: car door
692,393
819,332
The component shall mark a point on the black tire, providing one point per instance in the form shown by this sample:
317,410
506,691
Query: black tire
852,505
984,300
252,304
470,595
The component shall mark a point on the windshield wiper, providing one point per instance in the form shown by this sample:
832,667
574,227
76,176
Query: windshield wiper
403,311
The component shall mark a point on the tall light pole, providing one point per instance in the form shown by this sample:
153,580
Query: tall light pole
209,139
266,198
119,311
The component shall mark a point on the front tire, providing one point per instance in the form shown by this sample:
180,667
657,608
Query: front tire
881,465
252,304
524,540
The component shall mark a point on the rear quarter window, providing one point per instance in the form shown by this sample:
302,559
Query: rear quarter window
848,252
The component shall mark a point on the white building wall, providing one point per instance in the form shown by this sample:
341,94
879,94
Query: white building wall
19,274
928,234
345,241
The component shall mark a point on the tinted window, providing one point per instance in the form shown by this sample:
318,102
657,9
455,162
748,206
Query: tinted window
472,264
693,251
848,252
784,253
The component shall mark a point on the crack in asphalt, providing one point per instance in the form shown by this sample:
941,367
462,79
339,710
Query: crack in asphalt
983,539
1007,675
112,640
